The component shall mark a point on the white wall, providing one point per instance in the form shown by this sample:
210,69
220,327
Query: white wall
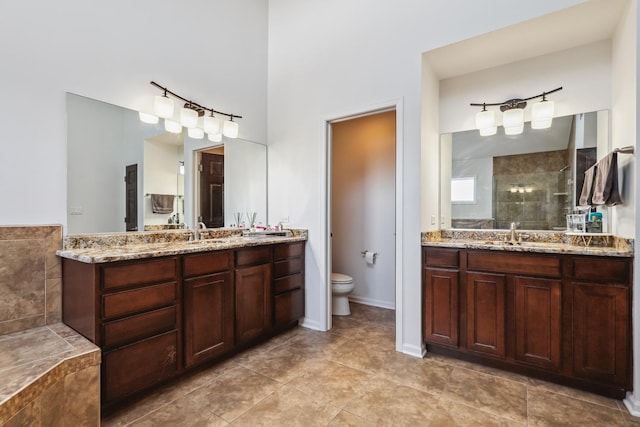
111,51
482,170
363,205
326,61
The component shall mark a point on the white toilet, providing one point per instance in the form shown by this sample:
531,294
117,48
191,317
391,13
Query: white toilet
341,287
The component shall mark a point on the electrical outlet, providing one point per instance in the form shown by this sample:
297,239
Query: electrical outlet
285,219
433,220
441,220
75,210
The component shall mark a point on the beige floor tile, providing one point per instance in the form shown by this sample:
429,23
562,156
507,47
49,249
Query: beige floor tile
451,414
331,382
387,403
551,409
427,375
182,412
346,419
234,392
573,393
488,393
288,407
282,363
360,355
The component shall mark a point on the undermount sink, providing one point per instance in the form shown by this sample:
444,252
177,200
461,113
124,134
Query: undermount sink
266,234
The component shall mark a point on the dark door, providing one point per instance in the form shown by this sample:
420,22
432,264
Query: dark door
131,197
212,190
253,302
440,310
485,313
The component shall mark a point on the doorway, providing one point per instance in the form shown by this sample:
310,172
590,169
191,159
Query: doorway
210,206
362,205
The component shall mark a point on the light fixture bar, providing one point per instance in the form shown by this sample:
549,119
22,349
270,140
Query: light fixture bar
196,106
514,103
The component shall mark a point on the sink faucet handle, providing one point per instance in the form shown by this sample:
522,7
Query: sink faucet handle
513,225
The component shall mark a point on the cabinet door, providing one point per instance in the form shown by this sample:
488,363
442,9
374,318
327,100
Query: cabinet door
486,313
600,332
208,318
537,317
440,311
253,302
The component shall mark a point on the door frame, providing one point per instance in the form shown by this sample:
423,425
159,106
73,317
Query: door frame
399,210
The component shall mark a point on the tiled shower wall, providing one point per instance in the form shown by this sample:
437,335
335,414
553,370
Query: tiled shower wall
30,277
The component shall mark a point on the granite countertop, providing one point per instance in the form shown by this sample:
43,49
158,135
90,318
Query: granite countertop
554,243
142,249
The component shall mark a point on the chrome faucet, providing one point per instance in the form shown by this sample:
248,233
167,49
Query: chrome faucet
513,234
196,232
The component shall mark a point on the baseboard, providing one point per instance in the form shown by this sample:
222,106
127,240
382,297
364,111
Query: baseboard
374,302
412,350
311,324
633,405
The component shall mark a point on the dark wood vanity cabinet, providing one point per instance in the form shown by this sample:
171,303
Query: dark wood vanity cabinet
132,311
208,305
288,283
560,317
253,308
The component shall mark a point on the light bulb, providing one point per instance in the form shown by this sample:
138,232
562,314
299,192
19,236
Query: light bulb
195,133
211,125
172,126
489,131
188,117
514,130
152,119
230,129
513,118
163,106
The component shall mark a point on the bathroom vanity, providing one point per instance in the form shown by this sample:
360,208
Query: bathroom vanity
158,310
550,310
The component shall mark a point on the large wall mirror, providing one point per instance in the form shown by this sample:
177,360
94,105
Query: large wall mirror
125,175
531,179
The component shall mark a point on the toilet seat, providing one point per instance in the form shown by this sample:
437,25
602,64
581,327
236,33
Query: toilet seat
340,278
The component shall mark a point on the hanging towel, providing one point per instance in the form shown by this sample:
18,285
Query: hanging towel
162,203
587,187
606,190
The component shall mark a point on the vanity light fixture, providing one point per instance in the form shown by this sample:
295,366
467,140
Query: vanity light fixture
513,114
189,117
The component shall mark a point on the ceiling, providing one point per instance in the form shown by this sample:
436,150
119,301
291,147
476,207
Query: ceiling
586,23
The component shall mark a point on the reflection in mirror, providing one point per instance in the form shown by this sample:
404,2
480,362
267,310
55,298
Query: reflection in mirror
530,179
106,143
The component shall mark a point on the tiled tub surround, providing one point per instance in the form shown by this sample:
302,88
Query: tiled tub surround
537,241
48,372
30,277
50,376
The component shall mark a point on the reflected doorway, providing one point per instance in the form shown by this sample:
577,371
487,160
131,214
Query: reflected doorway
212,188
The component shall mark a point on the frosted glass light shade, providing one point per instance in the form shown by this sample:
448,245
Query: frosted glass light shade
172,126
489,131
195,133
542,115
215,137
211,125
485,119
152,119
230,129
163,106
514,130
188,117
513,118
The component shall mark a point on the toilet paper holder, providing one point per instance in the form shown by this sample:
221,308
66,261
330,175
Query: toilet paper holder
364,253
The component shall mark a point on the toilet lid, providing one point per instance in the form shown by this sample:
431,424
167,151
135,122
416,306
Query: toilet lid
341,278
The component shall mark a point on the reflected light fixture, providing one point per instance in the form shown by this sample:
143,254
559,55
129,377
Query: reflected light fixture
181,168
513,114
189,117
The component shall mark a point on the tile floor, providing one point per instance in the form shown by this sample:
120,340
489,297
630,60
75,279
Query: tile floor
352,376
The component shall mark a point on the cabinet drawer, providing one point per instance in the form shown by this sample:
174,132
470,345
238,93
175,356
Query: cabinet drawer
137,300
289,307
148,271
206,263
284,268
259,255
288,250
537,265
607,270
138,327
288,283
438,257
139,366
